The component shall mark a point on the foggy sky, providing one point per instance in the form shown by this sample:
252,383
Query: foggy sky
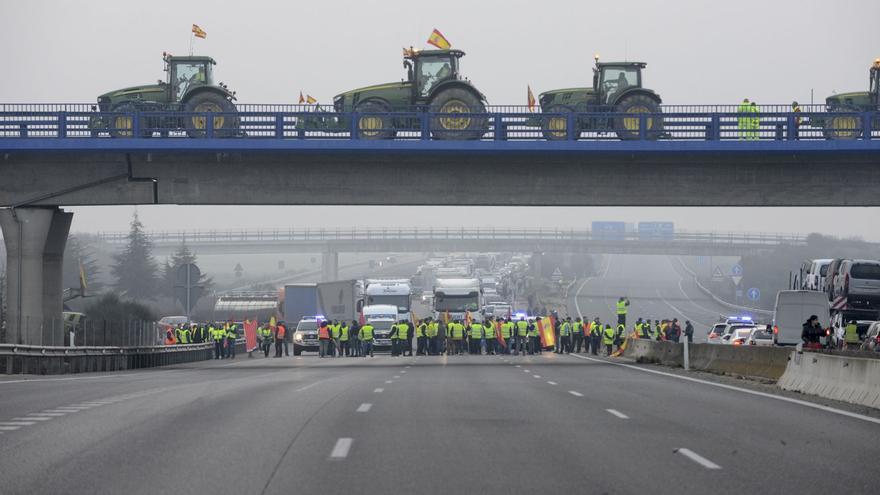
697,51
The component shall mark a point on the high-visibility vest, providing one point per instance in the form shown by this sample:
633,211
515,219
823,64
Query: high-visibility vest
430,330
476,331
184,336
577,328
435,328
457,330
522,328
621,307
343,333
281,331
565,329
533,330
506,330
421,330
851,334
489,331
334,331
621,330
608,335
639,330
366,332
232,332
402,330
323,332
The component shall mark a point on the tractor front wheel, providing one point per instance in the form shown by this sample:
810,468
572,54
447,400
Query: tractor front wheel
373,121
554,122
460,114
225,125
121,121
843,127
628,117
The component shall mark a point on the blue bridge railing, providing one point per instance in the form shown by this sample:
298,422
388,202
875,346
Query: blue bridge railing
499,123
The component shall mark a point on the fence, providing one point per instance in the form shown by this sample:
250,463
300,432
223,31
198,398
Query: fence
498,122
61,332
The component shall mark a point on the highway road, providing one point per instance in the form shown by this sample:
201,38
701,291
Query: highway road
657,288
461,424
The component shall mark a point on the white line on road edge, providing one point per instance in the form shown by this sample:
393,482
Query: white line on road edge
60,411
54,415
537,376
17,423
576,394
518,366
365,407
33,418
738,389
9,428
690,454
340,450
552,383
617,413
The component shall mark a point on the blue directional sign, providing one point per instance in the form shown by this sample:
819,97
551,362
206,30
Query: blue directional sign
754,294
702,260
736,270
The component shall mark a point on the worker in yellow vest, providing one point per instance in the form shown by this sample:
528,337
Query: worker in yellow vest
456,336
577,335
489,335
522,336
622,308
334,336
608,336
507,334
475,337
365,335
433,333
421,338
344,338
565,336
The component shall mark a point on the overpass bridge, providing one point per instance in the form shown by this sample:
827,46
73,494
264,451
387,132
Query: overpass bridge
51,156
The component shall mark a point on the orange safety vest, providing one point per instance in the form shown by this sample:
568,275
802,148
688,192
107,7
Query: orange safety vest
280,332
170,339
324,332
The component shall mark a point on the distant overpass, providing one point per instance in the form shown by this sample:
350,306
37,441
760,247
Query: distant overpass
391,240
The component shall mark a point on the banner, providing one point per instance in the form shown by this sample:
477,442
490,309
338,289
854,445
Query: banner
545,331
250,335
498,336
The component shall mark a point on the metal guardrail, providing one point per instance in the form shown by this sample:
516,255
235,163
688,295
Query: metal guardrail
15,358
392,234
498,123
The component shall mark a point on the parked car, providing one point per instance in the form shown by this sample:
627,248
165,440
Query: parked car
838,330
761,336
793,308
715,333
814,279
871,342
721,332
859,282
831,274
738,336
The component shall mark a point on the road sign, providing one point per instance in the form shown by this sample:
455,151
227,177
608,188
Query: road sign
736,270
701,260
557,275
736,279
186,288
754,294
717,274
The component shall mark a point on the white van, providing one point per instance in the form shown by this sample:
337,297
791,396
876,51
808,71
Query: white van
815,277
793,308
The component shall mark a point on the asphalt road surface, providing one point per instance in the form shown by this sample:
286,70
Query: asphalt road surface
460,424
657,287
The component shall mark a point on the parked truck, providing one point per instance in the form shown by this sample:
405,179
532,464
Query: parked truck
300,300
341,300
455,298
394,292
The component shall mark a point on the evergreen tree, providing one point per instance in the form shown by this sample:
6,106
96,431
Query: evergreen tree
169,271
134,268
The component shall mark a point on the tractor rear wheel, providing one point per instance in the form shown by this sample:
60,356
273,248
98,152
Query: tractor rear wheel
627,122
453,102
555,127
225,125
843,127
373,126
121,121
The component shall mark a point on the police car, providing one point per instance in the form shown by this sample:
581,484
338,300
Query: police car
305,337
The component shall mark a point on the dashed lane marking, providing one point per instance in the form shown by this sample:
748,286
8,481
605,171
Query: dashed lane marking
340,450
690,454
9,428
17,423
33,418
389,381
537,376
617,413
54,415
576,394
552,383
396,376
378,390
365,407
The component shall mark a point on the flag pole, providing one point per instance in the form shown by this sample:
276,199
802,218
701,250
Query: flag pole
192,37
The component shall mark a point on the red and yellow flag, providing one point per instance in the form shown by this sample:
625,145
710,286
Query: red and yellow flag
437,39
545,331
83,285
531,99
302,99
310,100
467,318
498,336
199,32
446,317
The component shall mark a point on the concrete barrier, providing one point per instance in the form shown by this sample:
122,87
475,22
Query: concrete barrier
849,379
760,362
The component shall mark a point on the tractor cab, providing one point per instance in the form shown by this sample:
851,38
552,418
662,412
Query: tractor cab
612,79
186,74
428,68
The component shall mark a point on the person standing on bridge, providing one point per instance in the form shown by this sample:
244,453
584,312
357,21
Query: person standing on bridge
608,338
743,121
622,309
754,122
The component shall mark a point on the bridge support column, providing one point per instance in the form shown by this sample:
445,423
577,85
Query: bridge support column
330,266
537,264
35,239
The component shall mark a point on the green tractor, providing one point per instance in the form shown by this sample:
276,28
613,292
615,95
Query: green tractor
189,87
850,126
433,84
617,88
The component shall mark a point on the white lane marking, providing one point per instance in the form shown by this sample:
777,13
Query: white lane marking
378,390
77,408
61,411
365,407
389,381
306,387
690,454
576,394
537,376
518,366
617,413
340,450
54,415
396,376
402,371
738,389
33,418
552,383
577,293
527,371
17,423
409,366
9,428
5,382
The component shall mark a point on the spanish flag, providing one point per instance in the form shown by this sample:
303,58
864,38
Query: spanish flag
310,100
302,99
199,32
437,39
498,336
531,99
467,319
83,285
446,317
546,332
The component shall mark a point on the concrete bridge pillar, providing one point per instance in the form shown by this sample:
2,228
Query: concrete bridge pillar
35,239
330,266
537,264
